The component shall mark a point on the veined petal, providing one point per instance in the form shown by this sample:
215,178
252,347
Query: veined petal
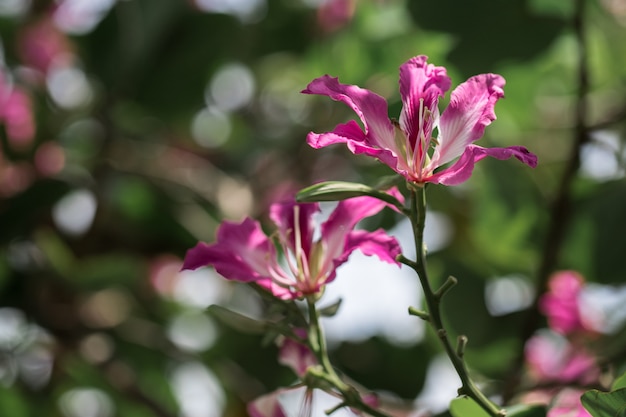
284,216
242,252
339,227
420,81
370,107
277,290
377,243
266,406
357,142
345,217
462,169
471,109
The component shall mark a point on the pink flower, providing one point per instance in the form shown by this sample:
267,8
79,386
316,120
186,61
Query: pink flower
332,15
567,404
405,145
560,303
299,358
551,358
244,253
16,114
42,45
296,355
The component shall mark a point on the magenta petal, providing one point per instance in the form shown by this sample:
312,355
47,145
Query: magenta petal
266,406
420,81
297,356
462,169
357,142
377,243
349,133
370,107
344,218
470,110
283,215
242,252
560,304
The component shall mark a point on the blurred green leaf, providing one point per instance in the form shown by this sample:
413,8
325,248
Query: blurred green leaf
466,407
12,404
108,269
238,321
525,410
619,383
605,404
331,309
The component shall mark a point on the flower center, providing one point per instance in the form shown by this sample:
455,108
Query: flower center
415,149
301,275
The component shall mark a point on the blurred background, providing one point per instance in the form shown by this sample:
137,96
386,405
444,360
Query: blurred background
130,129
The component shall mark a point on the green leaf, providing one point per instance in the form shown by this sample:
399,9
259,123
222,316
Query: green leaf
605,404
238,321
330,310
524,410
340,190
620,382
466,407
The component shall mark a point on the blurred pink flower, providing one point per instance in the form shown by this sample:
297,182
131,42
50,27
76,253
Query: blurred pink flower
560,303
567,404
244,253
49,158
15,177
41,44
299,358
164,273
551,358
405,146
16,114
332,15
296,355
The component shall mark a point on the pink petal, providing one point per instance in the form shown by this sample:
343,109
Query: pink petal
470,110
242,252
567,404
297,356
340,240
283,215
335,14
420,81
357,142
18,118
377,243
266,406
462,169
345,217
560,304
551,358
370,107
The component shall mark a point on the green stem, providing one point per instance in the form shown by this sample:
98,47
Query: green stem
433,300
351,397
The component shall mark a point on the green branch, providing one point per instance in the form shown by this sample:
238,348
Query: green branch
325,373
433,300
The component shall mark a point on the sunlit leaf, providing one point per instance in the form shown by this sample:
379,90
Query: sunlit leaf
340,190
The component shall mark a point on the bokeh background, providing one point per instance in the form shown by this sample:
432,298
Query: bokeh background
131,128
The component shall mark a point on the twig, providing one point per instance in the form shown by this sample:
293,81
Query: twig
433,303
